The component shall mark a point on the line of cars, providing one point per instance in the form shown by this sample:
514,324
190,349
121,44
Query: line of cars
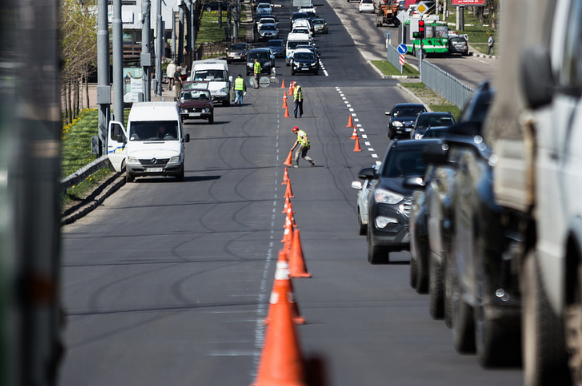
432,194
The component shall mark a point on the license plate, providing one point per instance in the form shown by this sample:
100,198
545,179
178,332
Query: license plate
195,114
153,170
409,129
305,68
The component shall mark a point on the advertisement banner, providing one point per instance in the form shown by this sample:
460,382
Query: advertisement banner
468,2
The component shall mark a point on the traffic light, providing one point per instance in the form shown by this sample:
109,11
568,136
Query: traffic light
421,29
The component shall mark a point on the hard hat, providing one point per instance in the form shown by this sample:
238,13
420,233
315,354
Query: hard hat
295,128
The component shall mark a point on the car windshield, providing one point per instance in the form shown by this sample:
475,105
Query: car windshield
424,122
241,46
300,31
404,163
153,131
303,56
190,85
318,21
410,111
269,27
434,133
197,95
209,75
258,55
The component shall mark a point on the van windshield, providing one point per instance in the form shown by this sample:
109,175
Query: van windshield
209,75
153,131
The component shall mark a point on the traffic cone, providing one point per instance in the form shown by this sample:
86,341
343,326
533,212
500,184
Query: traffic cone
354,134
296,261
284,100
283,84
350,123
285,177
357,147
289,160
287,202
281,361
290,214
289,191
282,280
287,239
286,112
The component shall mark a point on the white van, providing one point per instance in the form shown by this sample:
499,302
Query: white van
152,145
293,40
215,72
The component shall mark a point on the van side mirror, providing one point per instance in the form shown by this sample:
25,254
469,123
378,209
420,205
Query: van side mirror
230,79
537,80
120,138
186,138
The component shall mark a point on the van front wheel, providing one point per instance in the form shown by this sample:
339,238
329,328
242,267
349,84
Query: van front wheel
129,177
180,176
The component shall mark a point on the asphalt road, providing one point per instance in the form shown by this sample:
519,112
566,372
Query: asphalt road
167,283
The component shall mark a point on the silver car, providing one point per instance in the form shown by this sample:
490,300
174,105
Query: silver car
362,201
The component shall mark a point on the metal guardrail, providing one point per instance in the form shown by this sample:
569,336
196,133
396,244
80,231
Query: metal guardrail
445,84
392,55
83,173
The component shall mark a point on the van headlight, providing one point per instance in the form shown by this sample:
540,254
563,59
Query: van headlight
223,90
383,196
177,159
132,161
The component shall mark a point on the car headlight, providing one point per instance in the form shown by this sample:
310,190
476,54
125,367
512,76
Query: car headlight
132,161
417,136
383,196
183,110
175,159
207,109
397,124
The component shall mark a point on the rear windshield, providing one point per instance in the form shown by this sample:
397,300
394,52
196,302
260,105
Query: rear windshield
293,45
197,95
153,131
303,56
209,75
404,163
424,122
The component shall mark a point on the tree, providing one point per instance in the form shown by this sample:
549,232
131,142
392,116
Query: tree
78,53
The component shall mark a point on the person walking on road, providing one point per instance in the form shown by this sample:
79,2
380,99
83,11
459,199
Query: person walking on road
304,146
177,84
490,44
240,89
170,71
257,71
298,98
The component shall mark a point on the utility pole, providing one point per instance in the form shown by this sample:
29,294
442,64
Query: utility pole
146,56
181,33
159,47
103,83
117,61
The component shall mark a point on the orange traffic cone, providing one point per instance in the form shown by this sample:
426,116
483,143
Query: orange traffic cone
354,134
284,100
287,239
290,216
282,280
283,84
287,202
289,191
296,261
285,177
357,147
286,114
350,123
281,360
289,160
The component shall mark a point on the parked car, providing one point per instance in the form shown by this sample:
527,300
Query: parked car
320,26
402,118
304,60
363,188
366,6
430,270
458,44
237,52
196,104
277,47
428,119
390,201
268,31
265,57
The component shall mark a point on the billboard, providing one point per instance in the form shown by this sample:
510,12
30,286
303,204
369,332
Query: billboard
468,2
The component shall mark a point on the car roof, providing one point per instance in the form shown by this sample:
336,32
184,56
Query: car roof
307,50
412,143
408,105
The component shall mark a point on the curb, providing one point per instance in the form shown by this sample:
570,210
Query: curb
110,186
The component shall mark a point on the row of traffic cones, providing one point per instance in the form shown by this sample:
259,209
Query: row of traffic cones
354,134
281,360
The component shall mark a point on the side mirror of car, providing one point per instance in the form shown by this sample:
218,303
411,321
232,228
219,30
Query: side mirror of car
387,113
537,81
414,183
367,174
357,185
187,138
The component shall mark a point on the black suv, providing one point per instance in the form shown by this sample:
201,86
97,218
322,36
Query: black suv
402,118
389,202
265,57
304,60
426,120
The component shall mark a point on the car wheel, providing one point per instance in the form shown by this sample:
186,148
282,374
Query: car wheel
390,134
544,353
362,228
463,324
129,177
211,118
376,255
227,101
435,289
292,72
180,176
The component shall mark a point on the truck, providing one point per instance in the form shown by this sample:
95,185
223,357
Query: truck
387,12
535,130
